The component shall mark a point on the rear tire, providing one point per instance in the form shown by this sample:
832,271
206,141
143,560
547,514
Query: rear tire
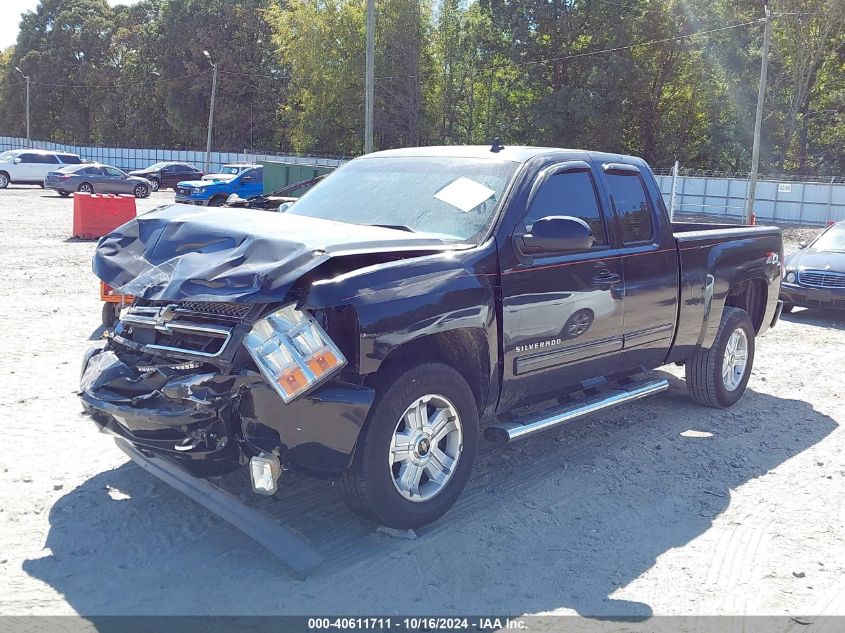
63,193
85,187
714,376
396,477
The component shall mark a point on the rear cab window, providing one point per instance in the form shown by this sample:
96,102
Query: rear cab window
632,205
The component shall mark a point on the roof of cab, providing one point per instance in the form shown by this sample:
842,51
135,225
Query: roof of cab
514,153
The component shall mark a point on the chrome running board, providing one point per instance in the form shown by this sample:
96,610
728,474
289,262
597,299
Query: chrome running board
504,432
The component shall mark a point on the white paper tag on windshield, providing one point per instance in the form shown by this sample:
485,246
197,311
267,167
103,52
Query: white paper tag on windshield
464,194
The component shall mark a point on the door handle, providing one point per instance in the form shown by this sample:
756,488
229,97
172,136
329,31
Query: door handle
606,278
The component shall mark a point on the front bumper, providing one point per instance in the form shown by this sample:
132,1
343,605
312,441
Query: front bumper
211,423
833,298
194,201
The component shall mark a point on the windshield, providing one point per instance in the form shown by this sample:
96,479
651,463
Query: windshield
831,240
7,156
451,198
157,166
232,169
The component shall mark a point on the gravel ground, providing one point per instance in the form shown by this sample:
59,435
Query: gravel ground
661,507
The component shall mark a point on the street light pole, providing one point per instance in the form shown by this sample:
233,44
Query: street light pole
369,80
28,135
758,120
211,111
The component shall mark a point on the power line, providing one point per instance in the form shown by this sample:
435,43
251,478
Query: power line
254,76
118,85
603,51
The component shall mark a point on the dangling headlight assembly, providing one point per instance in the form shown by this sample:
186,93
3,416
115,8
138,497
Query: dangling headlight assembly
293,352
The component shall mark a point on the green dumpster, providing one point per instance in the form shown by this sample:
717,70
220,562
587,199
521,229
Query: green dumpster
279,174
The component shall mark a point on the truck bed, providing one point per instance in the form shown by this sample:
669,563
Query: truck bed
713,259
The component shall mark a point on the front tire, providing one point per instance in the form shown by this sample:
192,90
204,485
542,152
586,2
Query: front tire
415,453
85,188
217,201
717,377
154,184
110,311
4,180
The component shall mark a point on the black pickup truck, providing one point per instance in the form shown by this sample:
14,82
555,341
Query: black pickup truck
410,303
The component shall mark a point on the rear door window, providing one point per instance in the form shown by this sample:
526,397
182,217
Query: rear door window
113,172
92,171
631,202
70,159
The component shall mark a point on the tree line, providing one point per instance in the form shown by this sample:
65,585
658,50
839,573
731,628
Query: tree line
668,80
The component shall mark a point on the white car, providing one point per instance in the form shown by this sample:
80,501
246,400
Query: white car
30,166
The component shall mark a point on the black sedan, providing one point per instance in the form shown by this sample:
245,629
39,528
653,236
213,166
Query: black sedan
815,275
163,175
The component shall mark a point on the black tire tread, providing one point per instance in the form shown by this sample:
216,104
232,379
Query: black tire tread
352,484
700,370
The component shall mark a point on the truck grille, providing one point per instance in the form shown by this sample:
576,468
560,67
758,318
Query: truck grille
182,191
821,279
219,308
186,329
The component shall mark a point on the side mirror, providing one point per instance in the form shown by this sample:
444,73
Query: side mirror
557,234
17,161
802,244
246,179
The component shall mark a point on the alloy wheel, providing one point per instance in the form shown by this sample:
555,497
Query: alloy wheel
735,359
425,448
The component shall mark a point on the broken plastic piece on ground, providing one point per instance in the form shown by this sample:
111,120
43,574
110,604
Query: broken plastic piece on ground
290,548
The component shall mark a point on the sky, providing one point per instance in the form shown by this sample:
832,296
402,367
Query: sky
10,17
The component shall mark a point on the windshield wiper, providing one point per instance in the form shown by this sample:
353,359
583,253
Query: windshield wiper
398,227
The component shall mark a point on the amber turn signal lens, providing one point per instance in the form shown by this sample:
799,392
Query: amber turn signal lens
292,381
321,362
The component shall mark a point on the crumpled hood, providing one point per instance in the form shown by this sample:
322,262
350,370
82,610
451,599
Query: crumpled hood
239,255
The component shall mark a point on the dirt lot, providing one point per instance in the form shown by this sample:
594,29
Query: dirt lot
624,514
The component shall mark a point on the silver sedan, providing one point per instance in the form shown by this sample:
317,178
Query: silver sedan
96,178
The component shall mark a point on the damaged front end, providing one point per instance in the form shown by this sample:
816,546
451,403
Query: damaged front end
210,384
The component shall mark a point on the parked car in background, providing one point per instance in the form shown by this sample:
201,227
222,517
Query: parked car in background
229,170
31,166
815,275
96,178
214,193
164,175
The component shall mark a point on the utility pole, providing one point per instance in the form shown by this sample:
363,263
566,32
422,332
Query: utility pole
758,120
28,135
210,112
369,80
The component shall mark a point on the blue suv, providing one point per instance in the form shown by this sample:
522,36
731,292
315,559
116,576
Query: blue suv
213,191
